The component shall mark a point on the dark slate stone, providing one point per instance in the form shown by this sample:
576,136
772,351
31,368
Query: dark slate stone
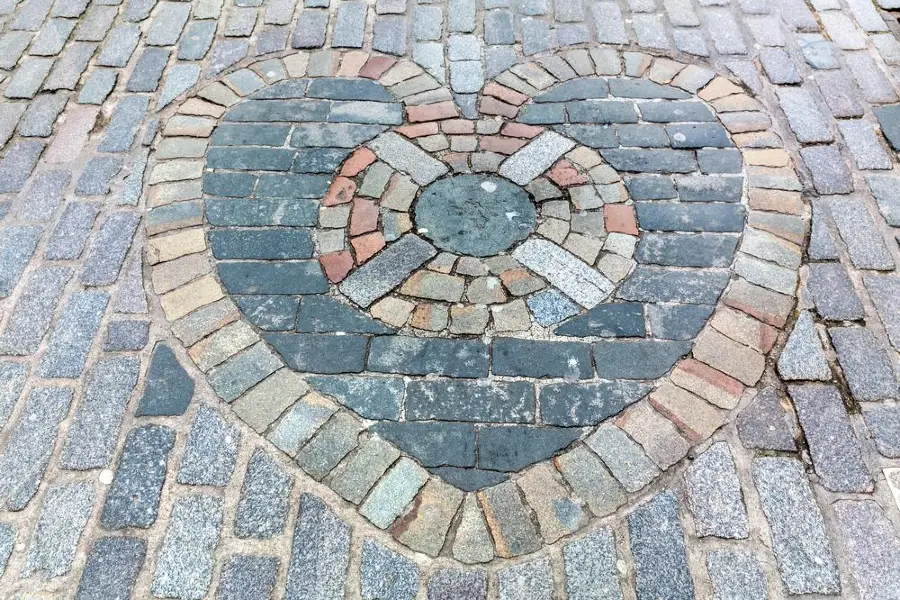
679,250
889,119
273,243
327,135
644,88
424,356
291,111
593,136
319,554
651,187
650,160
292,186
300,277
580,404
514,448
433,444
250,134
720,160
453,584
601,112
126,335
112,568
262,511
681,217
260,212
232,185
675,112
369,397
319,160
168,388
133,497
469,480
764,424
248,577
637,359
624,319
283,90
658,284
705,188
250,159
643,136
270,313
541,358
657,544
677,321
698,135
149,69
451,400
348,89
325,314
319,353
576,89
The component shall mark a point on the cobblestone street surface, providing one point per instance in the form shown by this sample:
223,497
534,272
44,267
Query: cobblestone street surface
463,300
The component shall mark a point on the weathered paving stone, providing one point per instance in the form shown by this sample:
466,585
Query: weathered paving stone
662,284
28,78
356,476
566,272
17,244
514,448
804,555
672,217
736,575
92,436
13,376
884,424
418,356
370,397
97,175
452,400
148,70
453,584
107,253
133,497
511,526
112,568
704,250
331,444
265,499
98,86
323,314
119,46
7,542
833,293
535,158
657,544
866,366
386,575
69,67
590,567
528,580
320,353
628,463
393,493
126,335
168,388
75,331
637,359
763,424
589,480
572,404
803,356
527,358
167,24
30,319
423,527
301,422
197,40
248,577
185,562
864,242
836,454
62,519
872,546
714,495
678,321
387,270
211,450
242,371
320,553
41,115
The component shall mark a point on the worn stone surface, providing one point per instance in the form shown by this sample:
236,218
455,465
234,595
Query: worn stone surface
657,542
715,496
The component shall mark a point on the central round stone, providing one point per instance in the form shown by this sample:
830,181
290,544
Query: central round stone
474,214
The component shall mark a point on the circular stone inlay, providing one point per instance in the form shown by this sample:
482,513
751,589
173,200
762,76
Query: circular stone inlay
475,215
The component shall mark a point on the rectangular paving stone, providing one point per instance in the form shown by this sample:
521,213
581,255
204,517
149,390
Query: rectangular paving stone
499,402
107,253
68,68
12,45
211,450
30,444
804,117
98,173
538,358
98,86
92,436
676,217
736,575
393,493
535,158
714,495
319,554
311,29
62,518
660,284
74,334
44,195
112,568
588,403
248,577
857,228
148,70
532,580
28,78
873,549
167,23
866,366
657,544
123,125
70,235
13,376
120,45
17,165
330,445
565,271
197,40
589,480
421,356
637,359
353,478
326,135
623,456
243,371
185,562
300,422
265,499
52,37
590,567
404,156
802,549
513,531
321,353
651,160
95,23
17,244
387,270
10,113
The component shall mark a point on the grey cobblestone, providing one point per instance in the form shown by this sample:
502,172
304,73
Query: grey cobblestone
211,450
319,555
657,543
63,516
68,239
263,508
248,577
71,341
112,568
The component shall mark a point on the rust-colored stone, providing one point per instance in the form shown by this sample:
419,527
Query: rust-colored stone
521,130
492,106
504,93
367,246
340,192
431,112
376,66
364,217
359,160
336,265
501,144
564,174
620,219
418,130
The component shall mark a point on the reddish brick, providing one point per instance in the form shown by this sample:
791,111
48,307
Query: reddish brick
492,106
431,112
364,217
458,161
504,93
336,265
765,305
564,174
501,144
458,126
340,192
745,329
367,246
620,219
521,130
359,160
708,383
422,129
376,66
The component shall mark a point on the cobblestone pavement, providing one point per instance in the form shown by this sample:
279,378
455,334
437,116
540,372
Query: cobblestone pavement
583,299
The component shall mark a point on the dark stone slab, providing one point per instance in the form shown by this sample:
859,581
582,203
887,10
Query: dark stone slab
320,353
266,244
328,135
580,404
324,314
644,88
678,321
232,185
292,186
514,448
889,119
250,134
112,568
698,135
433,444
268,111
249,159
657,544
651,187
643,136
674,112
451,400
593,136
601,112
576,89
133,497
301,277
319,160
764,424
678,250
261,211
290,88
650,160
710,188
270,313
348,89
637,359
369,397
248,577
624,319
679,217
168,388
320,553
720,160
540,358
657,284
469,480
424,356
